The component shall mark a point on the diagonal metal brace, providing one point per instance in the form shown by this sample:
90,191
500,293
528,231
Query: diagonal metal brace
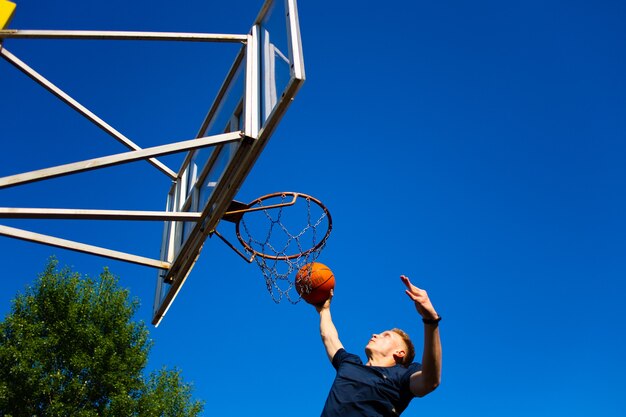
39,79
81,247
117,159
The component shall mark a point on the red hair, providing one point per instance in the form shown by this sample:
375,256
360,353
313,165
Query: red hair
407,359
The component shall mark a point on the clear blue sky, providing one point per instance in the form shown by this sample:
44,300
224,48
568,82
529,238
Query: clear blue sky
477,147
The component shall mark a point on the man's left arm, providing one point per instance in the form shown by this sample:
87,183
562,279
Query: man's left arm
428,378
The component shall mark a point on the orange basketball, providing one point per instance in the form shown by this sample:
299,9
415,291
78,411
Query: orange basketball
314,282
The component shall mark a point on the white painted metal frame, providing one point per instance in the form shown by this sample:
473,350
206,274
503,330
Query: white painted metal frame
136,153
178,255
120,35
184,257
83,214
38,78
256,135
80,247
117,159
77,214
297,68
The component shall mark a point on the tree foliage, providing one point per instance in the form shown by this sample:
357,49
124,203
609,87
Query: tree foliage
69,346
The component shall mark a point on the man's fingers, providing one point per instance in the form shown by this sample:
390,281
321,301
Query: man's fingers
406,281
411,295
420,298
408,284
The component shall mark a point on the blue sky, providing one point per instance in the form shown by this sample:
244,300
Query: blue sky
476,147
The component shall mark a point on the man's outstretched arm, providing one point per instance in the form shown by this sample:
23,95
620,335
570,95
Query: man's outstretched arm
428,379
328,332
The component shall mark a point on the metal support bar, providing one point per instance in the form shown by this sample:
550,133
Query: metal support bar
81,247
122,35
237,251
117,159
82,214
248,209
39,79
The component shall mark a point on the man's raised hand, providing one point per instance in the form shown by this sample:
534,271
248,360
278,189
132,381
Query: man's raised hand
420,297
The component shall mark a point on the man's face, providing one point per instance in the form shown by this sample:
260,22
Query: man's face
386,343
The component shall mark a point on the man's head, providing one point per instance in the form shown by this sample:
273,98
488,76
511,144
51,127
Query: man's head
407,359
394,344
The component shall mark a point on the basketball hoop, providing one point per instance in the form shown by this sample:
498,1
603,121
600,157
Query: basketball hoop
280,241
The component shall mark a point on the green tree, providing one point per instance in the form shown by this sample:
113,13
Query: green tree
69,347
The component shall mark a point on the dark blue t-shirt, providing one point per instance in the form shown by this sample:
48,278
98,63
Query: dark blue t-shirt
368,391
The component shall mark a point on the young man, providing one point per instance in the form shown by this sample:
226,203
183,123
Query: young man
384,385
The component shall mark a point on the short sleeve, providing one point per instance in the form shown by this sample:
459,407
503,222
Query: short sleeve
405,382
341,355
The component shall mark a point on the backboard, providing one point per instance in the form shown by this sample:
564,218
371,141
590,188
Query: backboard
263,80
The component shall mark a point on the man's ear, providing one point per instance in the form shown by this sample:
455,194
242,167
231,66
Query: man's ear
399,354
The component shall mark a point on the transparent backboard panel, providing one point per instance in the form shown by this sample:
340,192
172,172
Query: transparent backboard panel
281,55
254,96
205,166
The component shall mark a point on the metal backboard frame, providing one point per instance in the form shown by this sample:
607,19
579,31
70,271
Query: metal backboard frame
262,82
209,182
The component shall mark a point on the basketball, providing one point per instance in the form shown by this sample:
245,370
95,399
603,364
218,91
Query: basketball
314,282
